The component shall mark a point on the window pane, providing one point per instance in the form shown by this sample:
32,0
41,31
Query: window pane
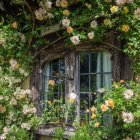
84,83
93,60
62,66
107,81
55,67
84,63
93,83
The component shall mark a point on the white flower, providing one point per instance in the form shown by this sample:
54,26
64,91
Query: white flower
72,96
127,117
3,136
93,24
26,74
121,2
101,90
21,71
128,94
28,91
91,35
26,126
66,22
1,97
48,4
5,130
137,13
13,101
13,63
33,110
58,3
75,40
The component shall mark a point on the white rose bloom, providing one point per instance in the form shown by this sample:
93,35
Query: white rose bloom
48,4
66,22
101,90
13,101
33,110
72,96
13,63
91,35
26,126
128,94
93,24
28,91
58,3
75,40
127,117
21,71
5,130
121,2
26,74
3,136
137,13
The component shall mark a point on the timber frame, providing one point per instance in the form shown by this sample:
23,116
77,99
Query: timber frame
121,64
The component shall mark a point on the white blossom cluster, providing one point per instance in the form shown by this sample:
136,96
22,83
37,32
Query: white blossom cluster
137,13
122,2
128,117
29,110
44,11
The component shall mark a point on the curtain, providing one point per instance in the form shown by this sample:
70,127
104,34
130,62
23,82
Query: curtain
107,68
46,78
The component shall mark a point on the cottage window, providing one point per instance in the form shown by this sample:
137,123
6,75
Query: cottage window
92,71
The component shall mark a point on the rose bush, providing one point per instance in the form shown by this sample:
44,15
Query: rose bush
17,112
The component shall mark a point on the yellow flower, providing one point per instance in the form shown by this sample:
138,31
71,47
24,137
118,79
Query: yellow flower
96,125
114,9
125,28
2,109
14,24
107,22
51,83
69,29
87,111
88,5
17,66
110,103
93,116
64,3
71,100
125,10
104,107
66,12
49,102
93,109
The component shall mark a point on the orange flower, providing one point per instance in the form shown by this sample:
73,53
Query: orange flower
110,103
51,83
64,3
93,109
93,116
96,125
121,81
14,24
69,29
104,107
66,12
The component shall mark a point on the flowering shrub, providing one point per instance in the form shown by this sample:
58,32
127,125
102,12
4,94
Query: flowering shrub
117,116
17,112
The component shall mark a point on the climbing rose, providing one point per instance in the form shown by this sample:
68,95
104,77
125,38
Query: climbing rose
66,22
127,117
75,40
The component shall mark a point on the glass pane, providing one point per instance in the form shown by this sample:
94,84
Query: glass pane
107,81
93,60
93,83
84,63
84,83
55,67
62,66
